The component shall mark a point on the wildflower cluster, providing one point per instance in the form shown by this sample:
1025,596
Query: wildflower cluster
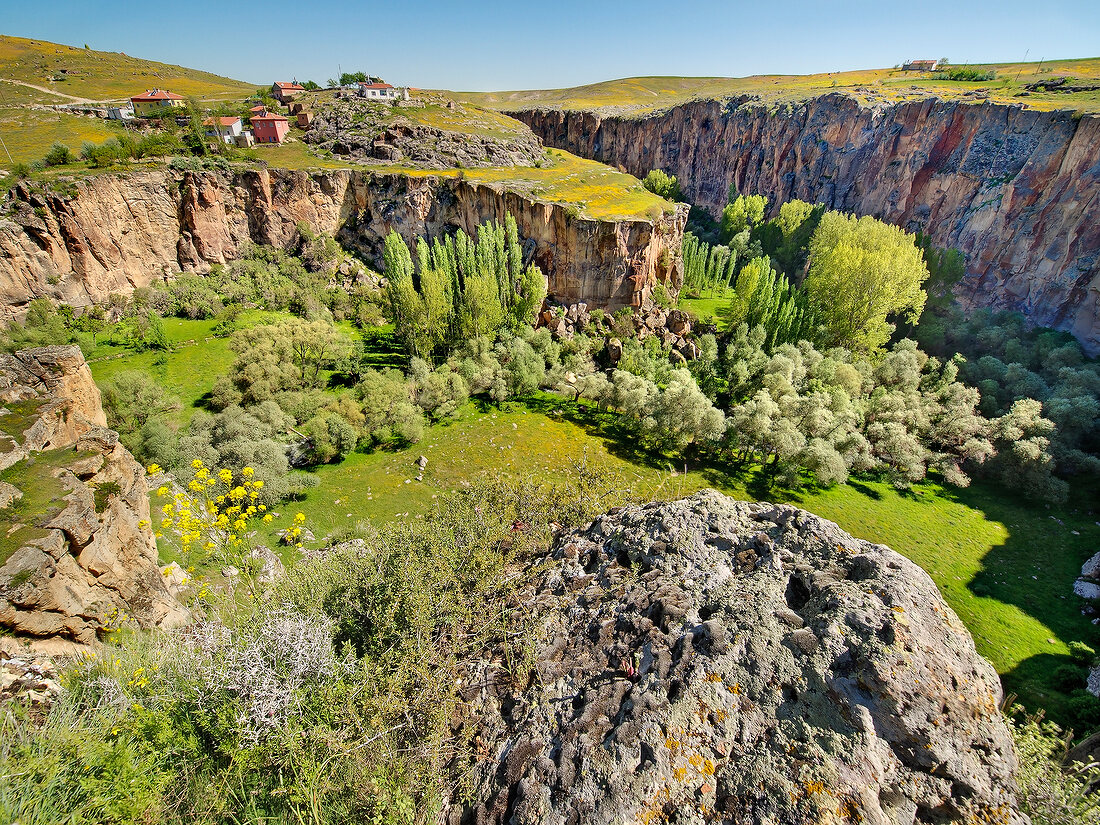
293,534
214,515
115,620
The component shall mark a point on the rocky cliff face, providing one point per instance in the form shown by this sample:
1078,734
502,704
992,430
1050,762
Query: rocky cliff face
78,551
711,660
119,232
1018,191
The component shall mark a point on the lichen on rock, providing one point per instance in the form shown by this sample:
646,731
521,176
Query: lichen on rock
737,662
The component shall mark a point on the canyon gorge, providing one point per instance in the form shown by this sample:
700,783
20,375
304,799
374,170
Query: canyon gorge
115,232
1014,189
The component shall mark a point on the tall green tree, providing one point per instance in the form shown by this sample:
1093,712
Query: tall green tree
861,272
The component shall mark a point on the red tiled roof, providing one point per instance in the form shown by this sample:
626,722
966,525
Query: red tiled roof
293,87
260,108
157,94
375,86
222,121
267,117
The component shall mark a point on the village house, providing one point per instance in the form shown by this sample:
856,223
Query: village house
120,113
920,65
305,119
154,101
286,92
382,92
269,128
226,128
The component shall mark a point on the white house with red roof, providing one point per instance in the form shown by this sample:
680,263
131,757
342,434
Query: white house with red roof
285,92
382,92
154,101
226,128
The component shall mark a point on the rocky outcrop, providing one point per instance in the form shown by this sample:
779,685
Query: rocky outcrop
86,561
710,660
1017,190
55,385
1087,585
361,130
118,232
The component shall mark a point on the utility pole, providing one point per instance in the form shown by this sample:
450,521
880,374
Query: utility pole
1026,51
4,98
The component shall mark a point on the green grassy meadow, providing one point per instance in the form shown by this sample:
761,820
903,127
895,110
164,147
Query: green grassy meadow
706,306
70,71
643,95
1004,564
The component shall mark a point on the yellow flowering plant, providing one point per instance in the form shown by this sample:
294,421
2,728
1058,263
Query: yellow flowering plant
214,517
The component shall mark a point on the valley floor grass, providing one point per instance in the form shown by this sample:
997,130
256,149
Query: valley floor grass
707,306
1005,565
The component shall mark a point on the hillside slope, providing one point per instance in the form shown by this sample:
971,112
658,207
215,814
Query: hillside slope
1012,82
62,73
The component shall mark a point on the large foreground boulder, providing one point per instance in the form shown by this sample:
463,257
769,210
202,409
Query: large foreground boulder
79,558
711,660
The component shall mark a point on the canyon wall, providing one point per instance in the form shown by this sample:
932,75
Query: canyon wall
1016,190
121,231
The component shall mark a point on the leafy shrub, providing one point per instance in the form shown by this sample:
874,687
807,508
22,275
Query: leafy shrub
663,185
1068,678
1051,792
1085,710
59,155
968,74
1082,653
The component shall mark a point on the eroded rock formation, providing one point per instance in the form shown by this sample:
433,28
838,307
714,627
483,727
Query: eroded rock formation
118,232
1017,190
356,129
711,660
79,553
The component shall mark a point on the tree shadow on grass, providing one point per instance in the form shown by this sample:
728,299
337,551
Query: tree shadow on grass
621,441
610,429
204,401
1030,683
381,350
1033,569
866,489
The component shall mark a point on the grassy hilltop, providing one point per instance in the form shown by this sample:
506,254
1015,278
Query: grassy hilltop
36,73
67,72
642,95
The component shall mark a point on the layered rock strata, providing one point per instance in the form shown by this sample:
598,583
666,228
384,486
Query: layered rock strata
85,561
1017,190
710,660
118,232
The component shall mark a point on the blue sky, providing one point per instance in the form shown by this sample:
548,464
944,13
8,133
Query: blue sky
487,44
